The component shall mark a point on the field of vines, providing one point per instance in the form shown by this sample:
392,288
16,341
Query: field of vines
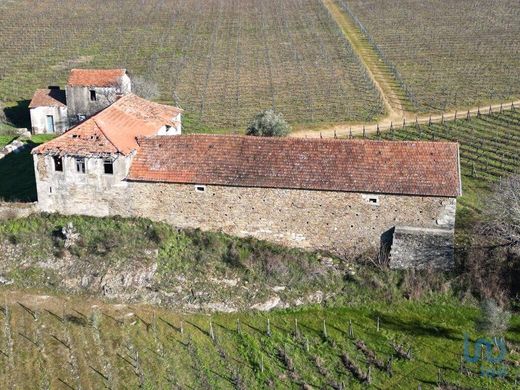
221,60
48,342
445,54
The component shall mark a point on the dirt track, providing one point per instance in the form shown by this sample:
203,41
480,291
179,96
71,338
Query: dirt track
343,130
396,115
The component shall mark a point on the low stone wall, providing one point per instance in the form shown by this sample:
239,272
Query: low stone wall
14,147
422,248
13,210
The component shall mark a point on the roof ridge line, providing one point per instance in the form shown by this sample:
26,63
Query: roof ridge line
94,119
301,139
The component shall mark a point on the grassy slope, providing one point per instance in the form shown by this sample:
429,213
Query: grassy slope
189,260
46,349
92,344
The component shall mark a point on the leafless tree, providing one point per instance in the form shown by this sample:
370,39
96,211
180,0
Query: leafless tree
145,88
492,264
502,214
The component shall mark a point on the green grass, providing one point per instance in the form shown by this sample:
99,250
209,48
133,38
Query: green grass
5,140
92,344
17,171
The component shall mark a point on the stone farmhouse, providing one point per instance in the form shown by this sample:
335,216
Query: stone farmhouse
88,91
349,197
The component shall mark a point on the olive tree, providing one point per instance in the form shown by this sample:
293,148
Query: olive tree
492,263
268,124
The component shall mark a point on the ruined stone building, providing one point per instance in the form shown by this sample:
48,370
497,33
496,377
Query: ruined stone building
345,196
88,91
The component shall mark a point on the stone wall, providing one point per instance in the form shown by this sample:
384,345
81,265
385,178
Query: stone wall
346,223
421,248
71,192
79,102
12,210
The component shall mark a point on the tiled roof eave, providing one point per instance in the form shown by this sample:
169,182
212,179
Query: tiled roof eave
62,153
404,168
423,194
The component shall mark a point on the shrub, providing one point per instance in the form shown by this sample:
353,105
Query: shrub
493,319
3,118
268,124
491,264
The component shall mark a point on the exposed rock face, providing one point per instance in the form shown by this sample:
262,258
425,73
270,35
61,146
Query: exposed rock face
271,303
140,280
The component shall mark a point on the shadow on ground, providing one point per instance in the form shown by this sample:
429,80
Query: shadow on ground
18,182
19,115
417,328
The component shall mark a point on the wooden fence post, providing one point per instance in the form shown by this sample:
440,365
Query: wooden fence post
324,329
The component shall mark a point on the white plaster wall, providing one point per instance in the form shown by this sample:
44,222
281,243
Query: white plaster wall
126,85
39,119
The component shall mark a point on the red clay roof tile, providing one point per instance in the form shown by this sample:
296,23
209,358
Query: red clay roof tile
113,130
95,77
53,97
412,168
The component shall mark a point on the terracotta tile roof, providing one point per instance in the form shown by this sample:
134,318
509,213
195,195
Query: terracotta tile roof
145,109
413,168
53,97
86,139
113,130
95,77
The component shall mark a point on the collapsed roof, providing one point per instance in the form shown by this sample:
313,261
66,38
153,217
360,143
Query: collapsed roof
113,130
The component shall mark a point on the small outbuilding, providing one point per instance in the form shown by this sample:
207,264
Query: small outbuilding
48,110
90,91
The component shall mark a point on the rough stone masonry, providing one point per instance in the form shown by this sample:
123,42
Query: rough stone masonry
341,196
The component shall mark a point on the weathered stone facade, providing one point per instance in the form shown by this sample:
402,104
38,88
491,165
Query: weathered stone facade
421,248
72,192
342,222
338,221
85,101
